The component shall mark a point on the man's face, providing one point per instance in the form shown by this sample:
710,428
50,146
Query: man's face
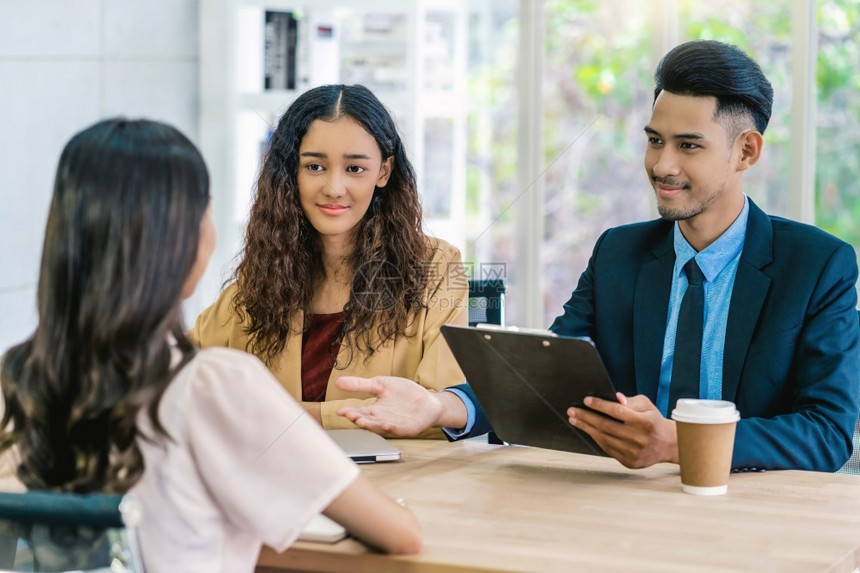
689,158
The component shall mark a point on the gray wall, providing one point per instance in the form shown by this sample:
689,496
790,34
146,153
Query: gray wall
65,64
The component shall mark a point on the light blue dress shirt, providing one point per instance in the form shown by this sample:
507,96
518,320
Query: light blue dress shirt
454,433
719,264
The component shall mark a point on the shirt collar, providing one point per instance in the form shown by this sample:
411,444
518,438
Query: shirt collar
716,256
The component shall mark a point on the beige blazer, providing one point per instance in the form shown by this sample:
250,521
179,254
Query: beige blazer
421,356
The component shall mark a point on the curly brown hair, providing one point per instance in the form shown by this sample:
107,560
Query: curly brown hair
281,260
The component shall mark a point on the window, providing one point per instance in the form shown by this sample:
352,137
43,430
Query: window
837,154
595,95
492,132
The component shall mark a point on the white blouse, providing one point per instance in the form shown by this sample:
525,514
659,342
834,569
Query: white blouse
244,465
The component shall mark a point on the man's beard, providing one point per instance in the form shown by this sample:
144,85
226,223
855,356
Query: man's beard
696,204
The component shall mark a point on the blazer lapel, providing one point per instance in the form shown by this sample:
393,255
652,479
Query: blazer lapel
288,365
650,309
748,295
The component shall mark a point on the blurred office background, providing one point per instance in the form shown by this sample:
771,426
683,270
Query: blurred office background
523,118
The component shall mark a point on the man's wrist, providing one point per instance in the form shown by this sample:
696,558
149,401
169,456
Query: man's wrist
673,446
453,413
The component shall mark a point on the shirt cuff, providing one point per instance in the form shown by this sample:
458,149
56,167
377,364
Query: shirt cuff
453,433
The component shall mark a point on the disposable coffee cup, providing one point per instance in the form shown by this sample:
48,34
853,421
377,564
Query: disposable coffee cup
706,437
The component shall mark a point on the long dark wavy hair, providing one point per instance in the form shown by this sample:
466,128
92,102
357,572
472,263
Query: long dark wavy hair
121,239
282,257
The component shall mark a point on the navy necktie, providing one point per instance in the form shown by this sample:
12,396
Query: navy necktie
686,365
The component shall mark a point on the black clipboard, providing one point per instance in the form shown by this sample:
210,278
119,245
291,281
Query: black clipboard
526,380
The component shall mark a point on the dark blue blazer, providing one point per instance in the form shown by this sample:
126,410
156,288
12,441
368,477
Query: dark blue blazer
792,353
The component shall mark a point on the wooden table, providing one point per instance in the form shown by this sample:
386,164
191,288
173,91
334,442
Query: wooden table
508,508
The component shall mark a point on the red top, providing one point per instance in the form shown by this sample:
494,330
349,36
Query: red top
320,343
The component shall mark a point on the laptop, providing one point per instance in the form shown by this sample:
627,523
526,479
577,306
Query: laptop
365,447
525,380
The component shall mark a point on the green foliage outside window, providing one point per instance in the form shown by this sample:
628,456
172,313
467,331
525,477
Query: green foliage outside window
598,90
837,176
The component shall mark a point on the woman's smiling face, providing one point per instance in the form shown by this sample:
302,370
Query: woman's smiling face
340,166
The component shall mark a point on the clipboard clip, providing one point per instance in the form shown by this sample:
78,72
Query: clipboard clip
496,327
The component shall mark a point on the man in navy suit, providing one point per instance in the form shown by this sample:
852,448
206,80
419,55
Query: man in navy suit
780,336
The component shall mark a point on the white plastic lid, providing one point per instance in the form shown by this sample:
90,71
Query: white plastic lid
705,411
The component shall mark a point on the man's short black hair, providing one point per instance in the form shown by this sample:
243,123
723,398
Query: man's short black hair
709,68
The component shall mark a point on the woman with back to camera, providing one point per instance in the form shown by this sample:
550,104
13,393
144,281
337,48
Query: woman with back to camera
336,278
109,395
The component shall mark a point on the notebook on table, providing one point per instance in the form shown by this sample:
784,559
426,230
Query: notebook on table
525,381
365,447
321,529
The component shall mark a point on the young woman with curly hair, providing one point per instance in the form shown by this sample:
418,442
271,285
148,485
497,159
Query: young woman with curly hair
109,395
336,278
